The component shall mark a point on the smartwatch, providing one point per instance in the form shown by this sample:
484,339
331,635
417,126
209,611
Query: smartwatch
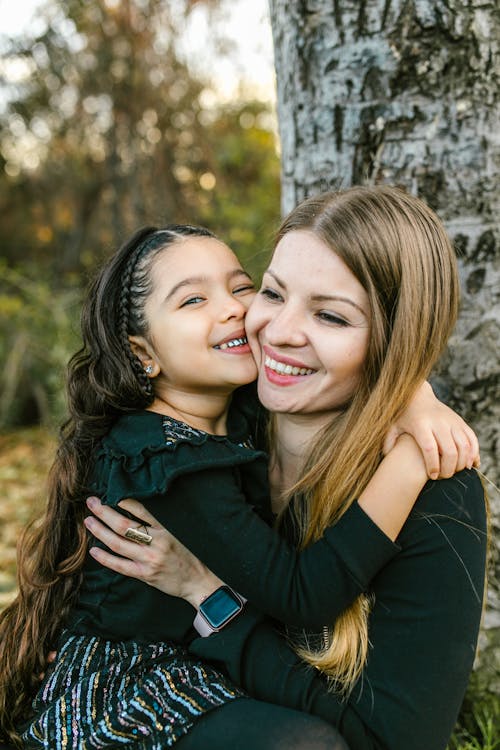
217,610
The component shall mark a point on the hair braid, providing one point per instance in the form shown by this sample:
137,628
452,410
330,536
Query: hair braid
124,320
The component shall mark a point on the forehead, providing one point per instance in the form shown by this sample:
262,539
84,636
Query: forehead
302,258
200,255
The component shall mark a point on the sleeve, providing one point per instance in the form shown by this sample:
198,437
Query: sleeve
423,631
208,513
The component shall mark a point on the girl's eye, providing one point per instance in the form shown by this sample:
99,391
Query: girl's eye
270,294
329,317
244,288
192,300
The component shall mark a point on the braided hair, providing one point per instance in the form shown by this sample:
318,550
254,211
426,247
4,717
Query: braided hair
105,379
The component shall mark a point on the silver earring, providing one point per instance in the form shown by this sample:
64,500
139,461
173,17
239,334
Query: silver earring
148,369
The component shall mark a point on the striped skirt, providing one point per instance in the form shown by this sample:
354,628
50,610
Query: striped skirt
102,694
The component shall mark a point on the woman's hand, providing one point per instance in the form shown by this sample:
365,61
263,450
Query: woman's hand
447,443
164,563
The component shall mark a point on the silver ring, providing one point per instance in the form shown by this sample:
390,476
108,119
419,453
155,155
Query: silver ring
138,536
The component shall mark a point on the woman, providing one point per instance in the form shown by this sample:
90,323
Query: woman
376,261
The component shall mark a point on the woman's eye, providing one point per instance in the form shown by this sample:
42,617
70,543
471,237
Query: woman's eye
328,317
192,300
270,294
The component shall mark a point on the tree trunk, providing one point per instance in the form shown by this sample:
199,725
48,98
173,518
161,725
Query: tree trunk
407,92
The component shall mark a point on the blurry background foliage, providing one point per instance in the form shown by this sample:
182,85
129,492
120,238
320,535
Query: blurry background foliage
106,127
110,118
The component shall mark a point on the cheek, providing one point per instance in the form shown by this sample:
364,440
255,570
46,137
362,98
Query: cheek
254,323
247,300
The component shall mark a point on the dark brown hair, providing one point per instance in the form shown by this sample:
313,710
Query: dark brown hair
104,380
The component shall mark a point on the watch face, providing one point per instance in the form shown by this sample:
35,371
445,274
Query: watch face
220,606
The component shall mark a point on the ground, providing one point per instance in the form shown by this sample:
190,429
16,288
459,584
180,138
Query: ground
25,457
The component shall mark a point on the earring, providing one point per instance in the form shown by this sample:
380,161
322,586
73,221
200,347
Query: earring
148,369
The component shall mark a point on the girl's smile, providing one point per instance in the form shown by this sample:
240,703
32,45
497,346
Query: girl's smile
196,343
236,343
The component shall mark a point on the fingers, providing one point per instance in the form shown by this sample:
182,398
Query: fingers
446,449
429,448
115,541
137,509
475,457
450,452
468,448
390,439
128,568
113,518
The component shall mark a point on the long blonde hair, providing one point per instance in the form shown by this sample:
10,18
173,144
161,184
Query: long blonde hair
399,251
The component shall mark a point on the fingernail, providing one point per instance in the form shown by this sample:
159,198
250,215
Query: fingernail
92,502
88,521
434,475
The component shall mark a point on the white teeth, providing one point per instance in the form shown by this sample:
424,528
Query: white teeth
284,369
233,342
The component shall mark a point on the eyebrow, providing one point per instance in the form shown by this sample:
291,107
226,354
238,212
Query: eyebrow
321,297
203,279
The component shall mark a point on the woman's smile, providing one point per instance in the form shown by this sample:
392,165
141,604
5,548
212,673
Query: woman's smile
284,370
308,328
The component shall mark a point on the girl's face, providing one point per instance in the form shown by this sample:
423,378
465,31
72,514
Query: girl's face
196,315
308,328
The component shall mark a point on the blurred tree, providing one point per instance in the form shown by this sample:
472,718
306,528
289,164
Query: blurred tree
242,201
110,131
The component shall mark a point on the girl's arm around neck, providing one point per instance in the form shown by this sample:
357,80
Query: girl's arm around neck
392,491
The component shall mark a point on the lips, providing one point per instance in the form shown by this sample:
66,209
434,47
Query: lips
284,370
236,340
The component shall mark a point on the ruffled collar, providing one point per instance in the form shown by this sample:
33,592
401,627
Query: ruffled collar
176,431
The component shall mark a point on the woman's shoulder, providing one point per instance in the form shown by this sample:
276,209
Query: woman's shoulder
461,498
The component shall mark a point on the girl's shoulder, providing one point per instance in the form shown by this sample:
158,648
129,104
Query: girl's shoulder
144,452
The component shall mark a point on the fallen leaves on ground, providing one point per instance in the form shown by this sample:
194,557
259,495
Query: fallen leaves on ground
25,458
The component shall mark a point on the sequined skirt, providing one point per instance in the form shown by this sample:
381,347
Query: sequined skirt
102,694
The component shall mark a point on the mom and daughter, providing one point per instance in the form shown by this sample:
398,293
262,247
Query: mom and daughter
324,592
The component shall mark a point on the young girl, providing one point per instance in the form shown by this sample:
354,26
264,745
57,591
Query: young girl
164,348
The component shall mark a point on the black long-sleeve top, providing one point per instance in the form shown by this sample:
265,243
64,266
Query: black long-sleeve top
212,493
423,632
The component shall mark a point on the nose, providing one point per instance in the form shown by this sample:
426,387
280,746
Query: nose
286,327
233,307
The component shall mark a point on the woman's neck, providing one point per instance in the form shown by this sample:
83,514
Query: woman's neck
293,436
207,411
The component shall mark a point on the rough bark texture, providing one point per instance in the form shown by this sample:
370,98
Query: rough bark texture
407,92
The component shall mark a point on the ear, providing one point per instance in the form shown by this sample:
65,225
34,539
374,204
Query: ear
145,353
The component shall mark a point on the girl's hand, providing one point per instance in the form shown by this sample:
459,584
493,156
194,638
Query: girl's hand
447,443
165,563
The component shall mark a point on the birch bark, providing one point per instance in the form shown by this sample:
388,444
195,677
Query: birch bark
407,92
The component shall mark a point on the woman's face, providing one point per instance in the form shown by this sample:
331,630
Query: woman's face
308,328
